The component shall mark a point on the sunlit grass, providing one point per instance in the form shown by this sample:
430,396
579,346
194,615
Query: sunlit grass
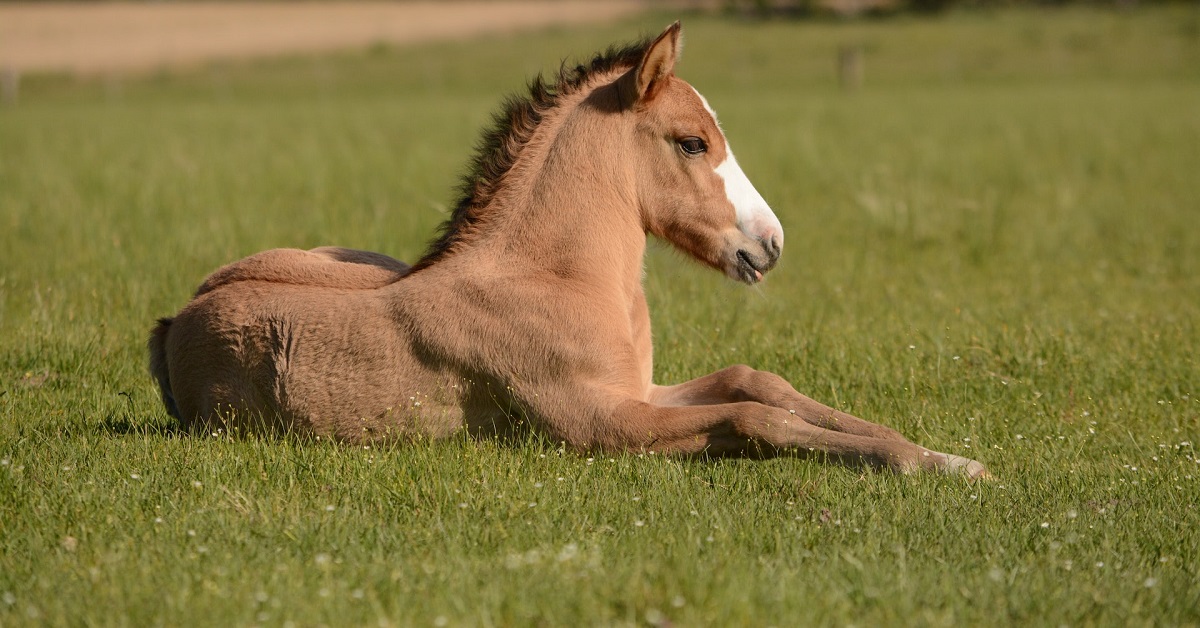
990,246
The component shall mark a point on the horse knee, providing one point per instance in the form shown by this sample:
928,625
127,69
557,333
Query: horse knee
748,384
739,379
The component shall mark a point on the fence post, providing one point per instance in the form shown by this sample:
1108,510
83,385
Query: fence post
850,67
10,84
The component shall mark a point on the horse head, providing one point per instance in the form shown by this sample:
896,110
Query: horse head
690,188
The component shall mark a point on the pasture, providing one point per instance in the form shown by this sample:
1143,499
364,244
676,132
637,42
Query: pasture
991,246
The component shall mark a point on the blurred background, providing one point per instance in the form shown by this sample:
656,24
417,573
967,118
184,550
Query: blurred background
100,37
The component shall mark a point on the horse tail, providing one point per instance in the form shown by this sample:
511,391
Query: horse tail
158,364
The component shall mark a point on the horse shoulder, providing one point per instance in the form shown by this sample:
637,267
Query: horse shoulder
325,267
521,332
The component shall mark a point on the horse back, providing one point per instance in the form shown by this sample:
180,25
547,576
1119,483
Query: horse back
324,267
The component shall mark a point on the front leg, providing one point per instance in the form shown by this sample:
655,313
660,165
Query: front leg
587,419
742,383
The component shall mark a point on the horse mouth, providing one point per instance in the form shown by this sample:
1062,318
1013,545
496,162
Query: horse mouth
747,271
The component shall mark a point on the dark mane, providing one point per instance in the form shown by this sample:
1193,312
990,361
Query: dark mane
512,128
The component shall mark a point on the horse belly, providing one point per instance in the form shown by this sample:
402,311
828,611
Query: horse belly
361,388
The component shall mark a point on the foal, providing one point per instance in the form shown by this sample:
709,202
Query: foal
529,307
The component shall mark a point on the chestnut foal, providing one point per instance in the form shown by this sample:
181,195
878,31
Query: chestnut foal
529,308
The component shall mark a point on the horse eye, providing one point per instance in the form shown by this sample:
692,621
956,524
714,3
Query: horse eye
693,146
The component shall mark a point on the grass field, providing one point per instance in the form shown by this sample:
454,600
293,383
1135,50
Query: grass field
992,246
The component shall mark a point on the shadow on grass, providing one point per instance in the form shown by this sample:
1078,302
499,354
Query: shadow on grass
125,425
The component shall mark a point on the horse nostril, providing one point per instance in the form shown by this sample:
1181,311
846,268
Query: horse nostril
773,248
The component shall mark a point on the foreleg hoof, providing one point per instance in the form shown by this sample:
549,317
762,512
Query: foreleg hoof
972,469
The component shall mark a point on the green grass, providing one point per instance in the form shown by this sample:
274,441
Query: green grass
992,246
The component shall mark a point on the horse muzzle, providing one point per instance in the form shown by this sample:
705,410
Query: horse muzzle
751,258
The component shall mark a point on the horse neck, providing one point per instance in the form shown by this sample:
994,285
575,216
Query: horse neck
568,207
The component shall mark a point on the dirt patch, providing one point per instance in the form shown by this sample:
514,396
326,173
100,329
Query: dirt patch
105,37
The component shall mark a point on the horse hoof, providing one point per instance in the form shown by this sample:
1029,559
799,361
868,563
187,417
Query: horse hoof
977,471
973,469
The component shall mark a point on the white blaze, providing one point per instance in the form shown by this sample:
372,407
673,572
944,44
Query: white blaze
754,216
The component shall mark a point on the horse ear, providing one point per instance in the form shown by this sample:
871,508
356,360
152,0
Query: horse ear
657,64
